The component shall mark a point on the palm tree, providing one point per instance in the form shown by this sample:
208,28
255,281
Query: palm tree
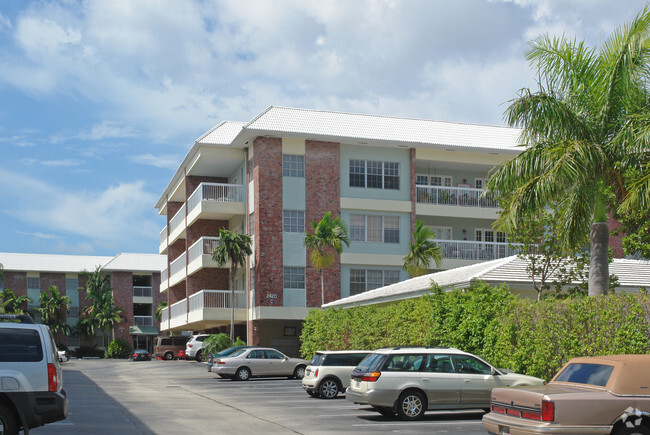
326,243
52,310
109,315
159,309
101,314
233,248
12,304
422,250
573,127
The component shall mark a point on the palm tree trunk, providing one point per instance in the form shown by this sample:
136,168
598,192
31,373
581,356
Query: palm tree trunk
322,288
599,262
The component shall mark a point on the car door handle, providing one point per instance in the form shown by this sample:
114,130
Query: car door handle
425,379
468,381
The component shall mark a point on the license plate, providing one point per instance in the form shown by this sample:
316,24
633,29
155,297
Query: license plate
308,371
504,430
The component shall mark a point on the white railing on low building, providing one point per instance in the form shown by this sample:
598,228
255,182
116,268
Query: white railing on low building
143,320
219,192
141,292
465,250
204,246
216,299
458,196
177,220
178,309
177,265
164,316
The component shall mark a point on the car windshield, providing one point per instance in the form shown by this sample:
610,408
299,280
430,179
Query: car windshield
592,374
239,352
228,352
371,362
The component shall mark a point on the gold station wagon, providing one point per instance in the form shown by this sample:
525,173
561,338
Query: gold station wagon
594,395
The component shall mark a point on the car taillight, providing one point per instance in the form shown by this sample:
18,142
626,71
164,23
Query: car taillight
499,409
548,411
531,415
135,355
220,362
316,373
51,378
190,345
371,376
513,412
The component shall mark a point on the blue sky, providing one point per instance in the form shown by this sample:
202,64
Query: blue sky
100,100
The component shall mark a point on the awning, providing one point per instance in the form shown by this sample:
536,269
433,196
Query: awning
143,330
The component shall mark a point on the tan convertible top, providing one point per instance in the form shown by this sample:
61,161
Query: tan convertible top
631,374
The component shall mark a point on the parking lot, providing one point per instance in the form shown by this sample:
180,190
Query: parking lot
113,396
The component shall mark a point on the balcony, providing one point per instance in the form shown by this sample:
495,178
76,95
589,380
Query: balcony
162,248
204,309
216,201
177,226
142,292
143,320
472,252
200,254
455,202
177,270
164,274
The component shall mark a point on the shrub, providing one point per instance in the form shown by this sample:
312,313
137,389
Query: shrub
87,351
535,338
119,348
216,343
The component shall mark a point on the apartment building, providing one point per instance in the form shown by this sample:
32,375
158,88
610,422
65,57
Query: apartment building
135,279
272,176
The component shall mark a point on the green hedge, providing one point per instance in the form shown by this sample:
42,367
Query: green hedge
530,337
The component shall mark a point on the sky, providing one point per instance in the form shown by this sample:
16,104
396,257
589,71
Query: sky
101,100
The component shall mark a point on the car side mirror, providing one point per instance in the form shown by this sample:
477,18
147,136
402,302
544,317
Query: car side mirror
494,372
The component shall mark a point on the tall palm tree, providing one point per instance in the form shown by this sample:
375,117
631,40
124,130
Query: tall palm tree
233,248
108,316
572,126
101,314
326,243
159,309
422,251
52,310
12,304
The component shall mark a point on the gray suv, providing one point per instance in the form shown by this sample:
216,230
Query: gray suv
408,381
31,392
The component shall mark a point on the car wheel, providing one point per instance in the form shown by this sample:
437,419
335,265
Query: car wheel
329,388
634,430
298,373
243,374
8,422
385,411
168,356
411,405
199,356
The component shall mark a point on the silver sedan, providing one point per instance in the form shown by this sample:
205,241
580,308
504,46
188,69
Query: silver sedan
259,362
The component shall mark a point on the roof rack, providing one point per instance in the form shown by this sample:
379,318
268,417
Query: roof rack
18,318
418,347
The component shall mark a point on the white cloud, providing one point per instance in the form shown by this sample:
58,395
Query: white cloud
64,162
39,235
118,213
160,161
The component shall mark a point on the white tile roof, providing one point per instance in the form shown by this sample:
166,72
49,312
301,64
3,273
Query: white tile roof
319,123
222,134
632,274
81,263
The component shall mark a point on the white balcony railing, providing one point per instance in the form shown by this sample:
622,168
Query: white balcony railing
163,236
164,274
141,292
203,246
177,265
464,250
458,196
177,220
143,320
164,316
216,299
178,309
216,192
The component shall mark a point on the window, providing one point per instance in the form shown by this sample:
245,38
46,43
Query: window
592,374
252,276
468,364
293,221
372,228
362,280
293,166
373,174
294,277
442,233
441,180
421,180
480,183
404,363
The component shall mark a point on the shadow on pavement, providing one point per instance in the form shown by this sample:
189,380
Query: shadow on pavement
91,410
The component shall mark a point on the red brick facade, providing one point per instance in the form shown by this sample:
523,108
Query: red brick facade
322,194
268,221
